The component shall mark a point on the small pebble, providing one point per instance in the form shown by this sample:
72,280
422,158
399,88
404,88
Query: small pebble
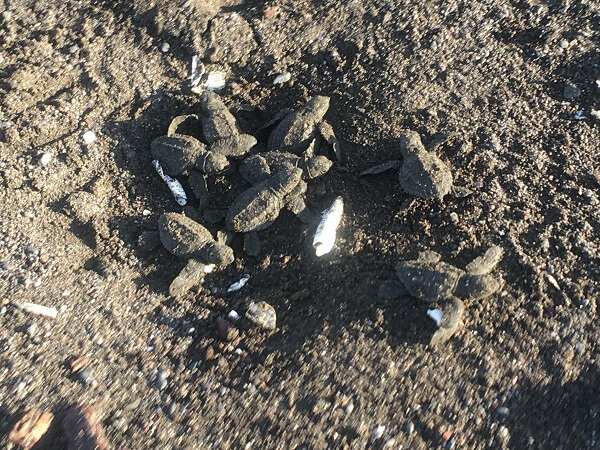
45,159
502,432
349,408
85,376
282,78
454,218
502,411
410,427
377,432
165,47
478,184
161,380
233,315
262,314
563,43
450,443
89,137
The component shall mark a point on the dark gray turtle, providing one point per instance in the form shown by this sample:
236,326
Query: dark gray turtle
257,168
431,280
218,122
298,129
258,207
422,173
178,153
187,239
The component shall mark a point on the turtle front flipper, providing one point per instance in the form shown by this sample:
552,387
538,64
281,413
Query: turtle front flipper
485,263
296,205
450,322
326,130
190,276
380,168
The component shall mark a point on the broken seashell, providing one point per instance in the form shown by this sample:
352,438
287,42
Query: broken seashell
326,231
174,185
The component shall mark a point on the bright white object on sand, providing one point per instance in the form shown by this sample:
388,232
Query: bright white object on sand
39,310
89,137
174,185
282,78
436,315
326,231
239,284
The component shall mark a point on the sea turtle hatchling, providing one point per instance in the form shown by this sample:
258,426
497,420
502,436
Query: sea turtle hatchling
298,129
187,239
257,208
422,173
431,280
259,167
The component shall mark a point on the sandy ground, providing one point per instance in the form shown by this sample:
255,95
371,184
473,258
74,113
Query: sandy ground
513,83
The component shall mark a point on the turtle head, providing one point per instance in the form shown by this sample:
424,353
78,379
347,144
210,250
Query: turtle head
286,180
316,166
220,254
410,143
319,105
212,162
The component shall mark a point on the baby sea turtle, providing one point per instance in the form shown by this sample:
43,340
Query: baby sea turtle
258,207
257,168
431,280
422,173
189,240
298,129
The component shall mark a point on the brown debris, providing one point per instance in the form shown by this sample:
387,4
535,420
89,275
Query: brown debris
83,430
32,426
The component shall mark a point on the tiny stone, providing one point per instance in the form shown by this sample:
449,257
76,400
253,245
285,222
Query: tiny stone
454,218
45,159
161,380
571,91
563,44
89,137
478,184
85,376
410,427
450,443
165,47
377,432
282,78
502,411
146,212
502,432
349,408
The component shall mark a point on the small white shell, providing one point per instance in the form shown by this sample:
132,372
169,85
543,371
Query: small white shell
282,78
89,137
34,308
174,185
197,71
239,284
326,231
435,315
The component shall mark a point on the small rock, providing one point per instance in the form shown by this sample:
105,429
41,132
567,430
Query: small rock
377,432
85,376
282,78
89,137
161,380
226,330
165,47
502,411
410,427
571,91
349,408
45,159
454,218
262,314
450,443
502,432
30,428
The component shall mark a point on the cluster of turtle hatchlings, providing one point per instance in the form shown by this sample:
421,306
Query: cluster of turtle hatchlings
276,173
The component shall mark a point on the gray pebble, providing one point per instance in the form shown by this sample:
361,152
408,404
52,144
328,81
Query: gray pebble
454,218
3,309
450,443
410,427
571,91
165,47
161,380
85,376
377,432
502,411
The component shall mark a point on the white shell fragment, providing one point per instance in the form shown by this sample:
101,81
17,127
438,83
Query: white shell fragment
579,115
45,159
326,231
174,185
89,137
262,314
197,71
553,281
233,315
282,78
238,284
435,315
39,310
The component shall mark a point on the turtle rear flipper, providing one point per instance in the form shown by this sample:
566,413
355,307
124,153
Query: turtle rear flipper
190,276
380,168
485,263
475,287
450,323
